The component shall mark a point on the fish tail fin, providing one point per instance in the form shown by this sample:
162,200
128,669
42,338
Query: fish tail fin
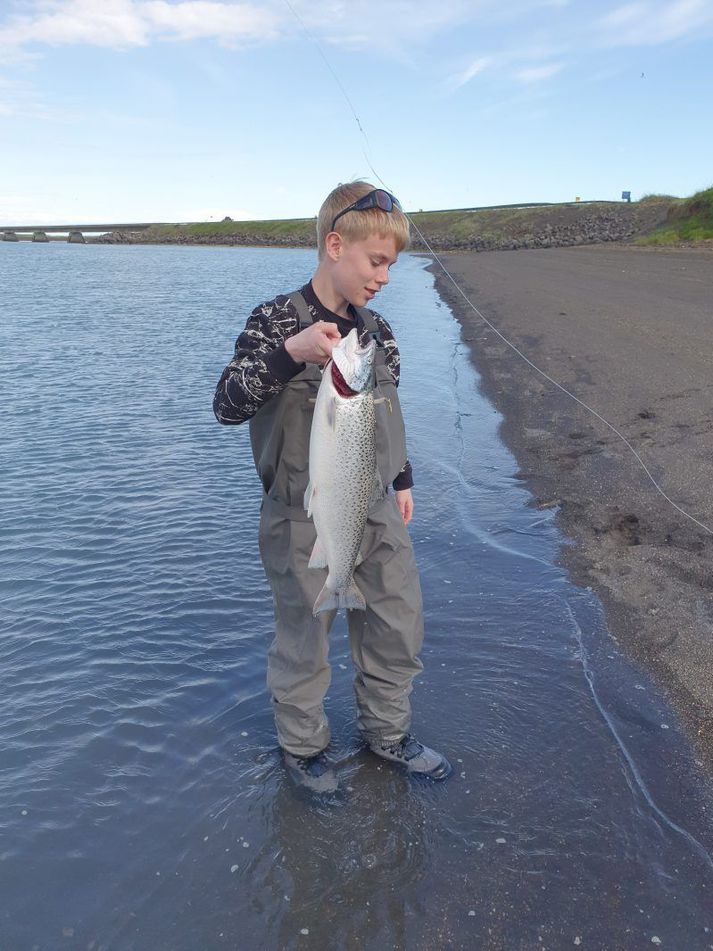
327,600
352,599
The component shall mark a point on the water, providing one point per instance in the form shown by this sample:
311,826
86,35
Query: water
143,804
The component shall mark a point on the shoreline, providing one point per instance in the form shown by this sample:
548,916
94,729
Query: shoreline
627,331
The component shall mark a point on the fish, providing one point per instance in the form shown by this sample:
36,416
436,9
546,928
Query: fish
343,473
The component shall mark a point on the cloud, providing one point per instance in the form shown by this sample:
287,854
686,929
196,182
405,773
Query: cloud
114,23
392,29
19,99
200,19
653,22
465,76
529,63
377,19
122,24
535,74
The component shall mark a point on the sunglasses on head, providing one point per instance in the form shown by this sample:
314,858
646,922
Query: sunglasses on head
378,198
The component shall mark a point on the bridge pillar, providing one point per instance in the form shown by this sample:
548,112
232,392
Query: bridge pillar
76,237
39,236
10,236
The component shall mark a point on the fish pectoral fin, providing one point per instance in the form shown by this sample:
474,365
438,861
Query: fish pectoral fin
318,558
331,413
309,492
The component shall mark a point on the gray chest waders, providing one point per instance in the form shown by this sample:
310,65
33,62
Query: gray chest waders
386,638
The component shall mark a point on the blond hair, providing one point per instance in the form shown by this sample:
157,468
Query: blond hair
358,225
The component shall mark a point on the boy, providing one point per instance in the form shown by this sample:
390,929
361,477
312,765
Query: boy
273,381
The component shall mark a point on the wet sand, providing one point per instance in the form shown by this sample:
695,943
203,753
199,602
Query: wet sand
630,332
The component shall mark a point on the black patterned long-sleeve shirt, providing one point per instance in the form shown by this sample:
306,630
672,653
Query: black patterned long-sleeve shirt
261,366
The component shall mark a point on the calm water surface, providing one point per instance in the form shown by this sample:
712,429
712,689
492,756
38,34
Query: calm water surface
143,804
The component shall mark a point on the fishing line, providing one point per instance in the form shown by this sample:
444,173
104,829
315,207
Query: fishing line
469,302
561,387
636,776
326,62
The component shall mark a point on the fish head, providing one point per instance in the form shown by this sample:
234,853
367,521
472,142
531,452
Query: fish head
354,362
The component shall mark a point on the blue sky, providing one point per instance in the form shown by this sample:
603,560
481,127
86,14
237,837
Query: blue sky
150,110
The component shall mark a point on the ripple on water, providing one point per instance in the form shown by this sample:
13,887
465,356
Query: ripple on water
143,803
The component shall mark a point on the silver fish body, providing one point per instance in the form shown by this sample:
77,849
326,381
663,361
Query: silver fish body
343,472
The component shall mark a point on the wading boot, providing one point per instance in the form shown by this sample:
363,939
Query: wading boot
417,758
315,773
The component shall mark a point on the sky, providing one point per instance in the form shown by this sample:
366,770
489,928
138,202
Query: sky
191,110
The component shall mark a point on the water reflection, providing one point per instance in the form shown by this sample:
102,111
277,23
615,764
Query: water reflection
353,860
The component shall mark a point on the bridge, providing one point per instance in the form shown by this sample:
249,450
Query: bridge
75,233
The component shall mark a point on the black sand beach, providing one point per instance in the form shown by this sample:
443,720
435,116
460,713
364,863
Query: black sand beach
630,332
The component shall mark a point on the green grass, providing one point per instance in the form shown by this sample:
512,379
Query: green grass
656,196
687,220
457,226
301,229
690,220
499,222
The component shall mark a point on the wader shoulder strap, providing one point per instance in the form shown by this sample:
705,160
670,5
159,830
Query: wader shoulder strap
303,315
368,320
372,329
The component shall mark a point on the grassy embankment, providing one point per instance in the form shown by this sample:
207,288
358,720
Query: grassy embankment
653,220
444,229
458,225
494,227
297,230
690,220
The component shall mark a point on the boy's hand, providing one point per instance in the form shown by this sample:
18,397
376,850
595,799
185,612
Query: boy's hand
314,344
404,500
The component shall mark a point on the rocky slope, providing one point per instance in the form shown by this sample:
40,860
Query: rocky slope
488,229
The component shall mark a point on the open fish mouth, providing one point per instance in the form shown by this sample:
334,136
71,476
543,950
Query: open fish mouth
353,362
340,384
368,348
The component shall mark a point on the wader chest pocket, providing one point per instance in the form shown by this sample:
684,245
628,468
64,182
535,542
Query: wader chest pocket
285,456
